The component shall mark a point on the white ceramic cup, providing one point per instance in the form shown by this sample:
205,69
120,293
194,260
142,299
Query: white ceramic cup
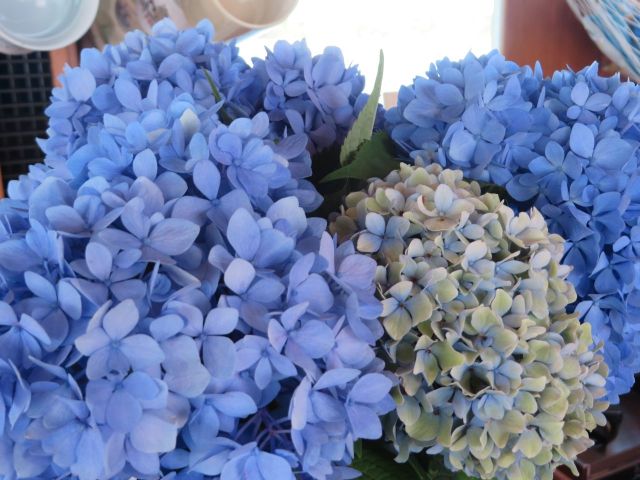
45,24
233,18
9,48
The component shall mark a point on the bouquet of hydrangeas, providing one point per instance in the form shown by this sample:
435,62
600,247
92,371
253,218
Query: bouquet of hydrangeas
225,271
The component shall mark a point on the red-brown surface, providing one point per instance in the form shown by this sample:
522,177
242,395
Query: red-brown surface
546,30
68,55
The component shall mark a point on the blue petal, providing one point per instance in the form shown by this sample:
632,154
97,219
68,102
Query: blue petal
263,374
221,321
99,260
16,256
612,153
219,355
239,275
234,404
448,94
288,210
166,327
121,319
127,94
274,249
153,435
315,291
336,377
364,422
141,70
142,386
315,338
69,300
462,147
123,411
92,341
274,467
145,463
40,287
206,178
185,374
328,408
582,140
580,93
371,388
81,83
89,455
142,351
145,164
171,64
243,234
65,219
203,427
173,236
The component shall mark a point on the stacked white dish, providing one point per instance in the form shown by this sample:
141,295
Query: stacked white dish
27,25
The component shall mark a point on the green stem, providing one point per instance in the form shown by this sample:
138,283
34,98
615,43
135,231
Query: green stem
413,463
226,119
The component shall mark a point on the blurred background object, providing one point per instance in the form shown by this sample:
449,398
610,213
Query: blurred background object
546,31
232,18
44,24
25,86
614,25
432,29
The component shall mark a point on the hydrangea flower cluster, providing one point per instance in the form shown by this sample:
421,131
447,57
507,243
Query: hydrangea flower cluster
494,374
317,95
566,144
168,310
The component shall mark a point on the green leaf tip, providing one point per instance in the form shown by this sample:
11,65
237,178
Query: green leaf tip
374,158
363,126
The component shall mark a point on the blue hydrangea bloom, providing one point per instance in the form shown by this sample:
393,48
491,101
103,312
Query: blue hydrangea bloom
566,144
317,95
167,306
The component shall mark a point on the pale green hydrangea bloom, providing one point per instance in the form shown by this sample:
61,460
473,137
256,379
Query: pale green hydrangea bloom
494,374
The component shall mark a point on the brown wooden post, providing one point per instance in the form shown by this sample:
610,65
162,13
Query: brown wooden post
548,31
67,55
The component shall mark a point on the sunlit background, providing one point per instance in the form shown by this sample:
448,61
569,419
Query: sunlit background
413,34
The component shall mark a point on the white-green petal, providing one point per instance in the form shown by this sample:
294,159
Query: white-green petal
375,224
368,242
398,323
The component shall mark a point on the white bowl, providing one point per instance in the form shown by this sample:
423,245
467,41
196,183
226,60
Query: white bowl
9,48
45,24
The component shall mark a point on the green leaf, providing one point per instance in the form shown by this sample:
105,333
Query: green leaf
226,119
486,187
463,476
437,470
363,126
357,448
374,158
377,464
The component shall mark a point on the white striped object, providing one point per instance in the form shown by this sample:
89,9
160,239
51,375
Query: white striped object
614,25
